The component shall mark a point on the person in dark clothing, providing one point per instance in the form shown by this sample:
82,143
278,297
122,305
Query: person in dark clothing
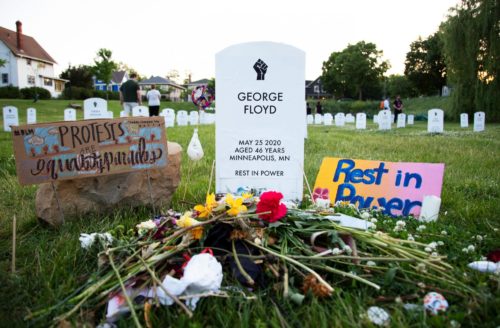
319,109
398,108
308,109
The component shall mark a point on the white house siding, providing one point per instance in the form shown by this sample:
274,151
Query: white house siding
9,69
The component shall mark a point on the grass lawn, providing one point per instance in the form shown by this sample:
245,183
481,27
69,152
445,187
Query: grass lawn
51,264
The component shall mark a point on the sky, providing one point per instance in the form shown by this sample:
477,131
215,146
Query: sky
157,36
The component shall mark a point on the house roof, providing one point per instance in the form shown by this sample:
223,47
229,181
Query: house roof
160,81
118,76
199,82
30,49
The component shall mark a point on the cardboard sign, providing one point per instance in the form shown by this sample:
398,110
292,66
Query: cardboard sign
67,150
397,187
260,118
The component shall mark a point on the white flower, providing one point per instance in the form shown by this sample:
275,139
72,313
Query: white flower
440,242
347,249
336,251
87,240
401,223
146,225
428,249
471,248
353,206
365,215
374,221
479,238
371,263
421,227
289,204
410,238
465,250
421,267
398,300
421,285
432,245
444,233
434,254
378,316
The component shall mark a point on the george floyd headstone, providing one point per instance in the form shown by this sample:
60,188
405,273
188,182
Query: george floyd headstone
435,121
10,118
169,115
327,119
464,120
384,119
94,108
401,123
182,118
318,119
31,116
310,119
260,118
70,114
339,119
411,119
360,121
140,111
193,118
479,121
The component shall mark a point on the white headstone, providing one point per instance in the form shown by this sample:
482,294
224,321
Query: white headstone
327,119
194,118
464,120
95,108
169,115
140,111
384,119
411,119
375,119
260,118
349,118
182,118
339,119
435,121
479,121
318,119
360,121
70,114
310,119
31,116
123,113
204,117
109,114
212,117
392,117
10,117
401,123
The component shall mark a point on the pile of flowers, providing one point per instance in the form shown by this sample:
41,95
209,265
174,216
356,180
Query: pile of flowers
254,241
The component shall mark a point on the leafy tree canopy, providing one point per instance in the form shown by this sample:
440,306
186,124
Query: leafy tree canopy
104,65
79,76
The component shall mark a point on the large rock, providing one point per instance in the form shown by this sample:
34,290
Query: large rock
105,193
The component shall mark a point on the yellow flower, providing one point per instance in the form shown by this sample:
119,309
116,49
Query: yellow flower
236,205
246,195
197,233
210,204
187,221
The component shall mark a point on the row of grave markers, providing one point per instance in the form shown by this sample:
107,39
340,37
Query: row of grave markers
435,121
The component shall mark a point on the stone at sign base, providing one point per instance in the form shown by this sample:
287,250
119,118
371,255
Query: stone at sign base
106,193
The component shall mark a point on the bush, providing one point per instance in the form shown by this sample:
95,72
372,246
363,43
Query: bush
35,92
10,92
77,93
102,94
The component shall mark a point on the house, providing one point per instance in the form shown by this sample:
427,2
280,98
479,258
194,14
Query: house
27,63
314,89
193,85
164,85
117,78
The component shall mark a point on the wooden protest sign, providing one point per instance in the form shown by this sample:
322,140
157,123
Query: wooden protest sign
56,151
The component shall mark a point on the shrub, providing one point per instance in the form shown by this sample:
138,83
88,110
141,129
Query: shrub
102,94
77,93
10,92
35,92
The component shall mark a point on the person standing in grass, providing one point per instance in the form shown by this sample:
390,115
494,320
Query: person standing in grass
153,97
319,108
130,94
398,108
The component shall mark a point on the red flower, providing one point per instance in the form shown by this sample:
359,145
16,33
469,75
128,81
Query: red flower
270,202
494,256
322,193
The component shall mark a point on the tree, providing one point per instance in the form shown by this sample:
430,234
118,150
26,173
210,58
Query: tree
400,85
79,76
121,66
425,66
471,38
104,66
173,75
2,62
355,71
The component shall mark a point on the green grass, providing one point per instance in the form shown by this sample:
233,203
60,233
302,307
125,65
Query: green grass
51,265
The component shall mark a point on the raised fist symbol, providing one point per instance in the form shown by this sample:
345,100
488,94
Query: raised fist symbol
261,68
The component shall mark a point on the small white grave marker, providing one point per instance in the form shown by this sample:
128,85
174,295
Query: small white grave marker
375,119
123,113
70,114
464,120
339,119
411,119
349,118
140,111
310,119
360,121
318,119
401,123
384,119
10,117
327,119
194,118
109,114
182,118
94,108
479,121
169,115
31,116
435,118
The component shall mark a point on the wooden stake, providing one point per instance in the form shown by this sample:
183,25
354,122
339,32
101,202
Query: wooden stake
150,189
57,200
14,224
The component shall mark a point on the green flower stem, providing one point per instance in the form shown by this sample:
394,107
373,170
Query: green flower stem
249,279
346,257
348,274
297,263
129,302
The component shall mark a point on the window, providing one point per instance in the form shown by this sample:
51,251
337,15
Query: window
5,78
316,89
31,79
28,61
47,82
59,86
